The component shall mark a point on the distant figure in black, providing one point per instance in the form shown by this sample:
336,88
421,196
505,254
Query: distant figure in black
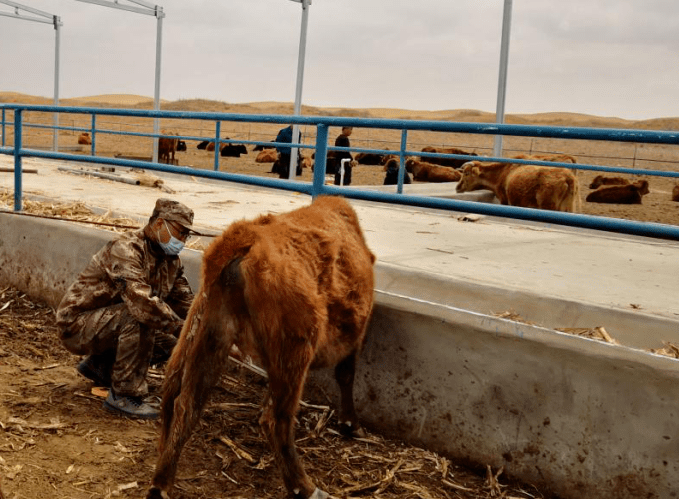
282,164
342,140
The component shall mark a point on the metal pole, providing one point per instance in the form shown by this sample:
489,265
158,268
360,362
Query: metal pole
298,88
502,79
17,158
156,94
57,38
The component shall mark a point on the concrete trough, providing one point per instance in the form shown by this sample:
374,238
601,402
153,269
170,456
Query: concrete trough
574,416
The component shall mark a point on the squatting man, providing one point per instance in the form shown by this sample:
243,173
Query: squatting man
124,312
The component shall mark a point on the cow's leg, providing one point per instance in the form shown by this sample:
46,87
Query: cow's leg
277,421
344,374
191,373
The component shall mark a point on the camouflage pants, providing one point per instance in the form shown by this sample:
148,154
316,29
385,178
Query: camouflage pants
122,344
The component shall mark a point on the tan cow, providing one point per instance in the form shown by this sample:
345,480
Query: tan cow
452,162
619,194
267,156
529,186
294,291
428,172
85,139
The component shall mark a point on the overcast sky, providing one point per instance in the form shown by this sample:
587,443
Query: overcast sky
602,57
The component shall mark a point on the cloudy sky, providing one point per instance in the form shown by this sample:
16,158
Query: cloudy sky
603,57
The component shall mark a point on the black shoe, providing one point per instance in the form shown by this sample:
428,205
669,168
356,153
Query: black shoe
133,407
91,369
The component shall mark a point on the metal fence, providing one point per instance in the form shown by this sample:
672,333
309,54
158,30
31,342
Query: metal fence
317,187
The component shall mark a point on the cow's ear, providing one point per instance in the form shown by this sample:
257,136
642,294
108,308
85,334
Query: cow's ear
476,171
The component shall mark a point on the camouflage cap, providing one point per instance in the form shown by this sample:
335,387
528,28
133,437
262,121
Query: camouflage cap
169,209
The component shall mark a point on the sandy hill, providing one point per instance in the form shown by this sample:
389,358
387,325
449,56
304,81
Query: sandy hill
462,115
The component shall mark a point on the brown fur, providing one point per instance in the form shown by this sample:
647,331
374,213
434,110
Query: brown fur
600,180
557,158
427,172
451,162
619,194
167,146
85,139
267,156
294,291
675,193
529,186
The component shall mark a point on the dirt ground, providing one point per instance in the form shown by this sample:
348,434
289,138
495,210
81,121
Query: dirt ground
56,440
657,206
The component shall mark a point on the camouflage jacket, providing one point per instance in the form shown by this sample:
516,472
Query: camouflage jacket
132,269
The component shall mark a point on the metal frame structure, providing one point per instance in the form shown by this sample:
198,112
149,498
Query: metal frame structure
149,10
317,187
299,84
502,78
46,18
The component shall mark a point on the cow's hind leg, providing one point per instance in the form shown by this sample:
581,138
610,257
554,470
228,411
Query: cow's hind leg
199,374
277,422
344,374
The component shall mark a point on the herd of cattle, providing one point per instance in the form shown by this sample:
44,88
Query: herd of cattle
515,184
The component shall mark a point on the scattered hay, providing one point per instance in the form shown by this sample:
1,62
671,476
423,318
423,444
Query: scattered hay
669,350
596,333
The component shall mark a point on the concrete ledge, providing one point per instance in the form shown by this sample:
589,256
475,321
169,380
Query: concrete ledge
441,190
577,417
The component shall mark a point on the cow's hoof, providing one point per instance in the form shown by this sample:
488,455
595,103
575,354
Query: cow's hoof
319,494
156,493
349,430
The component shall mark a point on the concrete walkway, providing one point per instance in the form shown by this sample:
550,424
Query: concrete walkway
603,270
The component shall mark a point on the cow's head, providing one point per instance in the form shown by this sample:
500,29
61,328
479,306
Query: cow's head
471,177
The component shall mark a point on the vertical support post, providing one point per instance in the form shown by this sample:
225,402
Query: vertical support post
3,127
156,92
502,78
93,134
298,88
218,133
402,161
320,160
57,41
17,159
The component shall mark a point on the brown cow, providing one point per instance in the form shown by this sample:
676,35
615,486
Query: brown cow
267,156
600,180
427,172
529,186
167,146
294,291
675,193
85,139
619,194
556,158
452,162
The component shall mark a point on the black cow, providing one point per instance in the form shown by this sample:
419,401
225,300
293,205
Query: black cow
181,146
203,144
233,150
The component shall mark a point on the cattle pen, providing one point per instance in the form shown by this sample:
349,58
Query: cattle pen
585,419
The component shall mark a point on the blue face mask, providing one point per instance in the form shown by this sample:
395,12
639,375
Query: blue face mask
174,246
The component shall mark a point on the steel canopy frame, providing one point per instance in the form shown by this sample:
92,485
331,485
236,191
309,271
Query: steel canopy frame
298,86
502,78
148,9
46,18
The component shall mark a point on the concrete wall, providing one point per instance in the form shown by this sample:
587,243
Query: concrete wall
580,418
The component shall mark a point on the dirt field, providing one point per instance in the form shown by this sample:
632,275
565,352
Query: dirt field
657,206
56,440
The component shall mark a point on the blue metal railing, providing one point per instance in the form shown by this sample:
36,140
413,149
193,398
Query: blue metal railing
318,187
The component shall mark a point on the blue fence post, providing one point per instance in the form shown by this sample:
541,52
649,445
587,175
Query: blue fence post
3,127
402,161
17,159
94,138
218,132
320,160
